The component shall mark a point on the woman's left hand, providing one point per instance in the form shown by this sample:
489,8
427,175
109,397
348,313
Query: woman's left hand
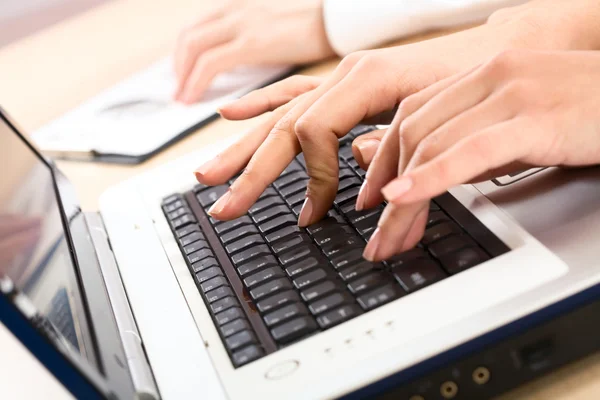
519,110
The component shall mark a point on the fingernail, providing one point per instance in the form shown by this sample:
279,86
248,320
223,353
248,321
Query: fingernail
205,168
394,190
220,204
362,196
371,249
219,110
305,213
367,149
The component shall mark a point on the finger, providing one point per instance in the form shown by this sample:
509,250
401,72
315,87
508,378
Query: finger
411,133
229,162
12,223
209,64
392,231
269,98
382,168
192,44
473,156
493,110
384,118
365,146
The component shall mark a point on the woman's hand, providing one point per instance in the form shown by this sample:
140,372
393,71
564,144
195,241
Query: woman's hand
246,32
519,110
310,115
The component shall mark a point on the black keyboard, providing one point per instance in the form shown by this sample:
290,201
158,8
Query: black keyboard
269,283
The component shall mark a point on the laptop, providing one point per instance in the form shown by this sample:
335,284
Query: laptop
151,298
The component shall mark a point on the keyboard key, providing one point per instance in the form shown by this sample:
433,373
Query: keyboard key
263,276
218,294
440,231
244,243
296,200
179,212
407,257
223,227
197,245
294,166
294,329
249,254
346,173
238,233
291,242
199,255
345,153
208,196
358,270
379,297
169,208
450,245
234,327
212,284
277,300
436,217
302,266
348,183
256,264
205,263
418,274
357,216
191,238
277,223
283,232
368,282
246,355
319,290
349,195
183,221
337,316
269,288
270,213
330,302
310,278
296,187
463,259
332,233
264,204
347,258
239,340
283,314
269,192
288,179
229,315
207,274
321,225
171,199
296,254
187,230
341,244
223,304
367,225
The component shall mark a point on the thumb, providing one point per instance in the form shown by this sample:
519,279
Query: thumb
365,146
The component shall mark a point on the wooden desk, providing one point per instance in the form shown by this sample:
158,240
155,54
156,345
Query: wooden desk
45,75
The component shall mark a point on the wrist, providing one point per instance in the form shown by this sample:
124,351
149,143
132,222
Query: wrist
552,25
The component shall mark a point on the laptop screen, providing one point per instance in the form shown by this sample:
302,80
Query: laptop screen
34,250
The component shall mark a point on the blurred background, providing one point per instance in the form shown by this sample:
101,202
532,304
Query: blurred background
20,18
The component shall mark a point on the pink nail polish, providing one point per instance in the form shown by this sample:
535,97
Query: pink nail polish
394,190
305,213
220,204
362,196
371,250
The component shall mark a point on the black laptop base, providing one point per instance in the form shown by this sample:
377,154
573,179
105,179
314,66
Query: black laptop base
502,359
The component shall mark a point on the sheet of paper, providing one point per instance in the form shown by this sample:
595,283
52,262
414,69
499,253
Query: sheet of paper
139,115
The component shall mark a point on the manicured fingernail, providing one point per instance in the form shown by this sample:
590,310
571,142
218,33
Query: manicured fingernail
367,149
394,190
362,196
220,204
205,168
371,249
305,213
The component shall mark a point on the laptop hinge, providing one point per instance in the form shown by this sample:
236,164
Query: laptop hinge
141,373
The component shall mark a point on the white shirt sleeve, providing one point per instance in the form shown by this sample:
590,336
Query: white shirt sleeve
353,25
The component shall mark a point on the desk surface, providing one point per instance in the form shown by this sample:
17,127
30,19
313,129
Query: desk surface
45,75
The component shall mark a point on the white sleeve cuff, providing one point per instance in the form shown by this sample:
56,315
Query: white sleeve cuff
353,25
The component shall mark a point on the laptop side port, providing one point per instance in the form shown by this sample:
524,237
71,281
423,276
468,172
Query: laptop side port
537,355
481,375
